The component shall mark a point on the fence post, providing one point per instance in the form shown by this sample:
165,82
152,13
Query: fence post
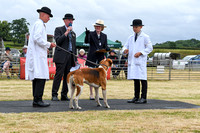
170,66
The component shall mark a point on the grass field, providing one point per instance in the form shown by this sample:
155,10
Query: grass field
169,120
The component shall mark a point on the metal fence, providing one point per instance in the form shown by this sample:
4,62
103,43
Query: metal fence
164,70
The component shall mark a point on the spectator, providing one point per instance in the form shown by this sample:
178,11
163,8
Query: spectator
115,68
6,58
24,51
82,54
124,64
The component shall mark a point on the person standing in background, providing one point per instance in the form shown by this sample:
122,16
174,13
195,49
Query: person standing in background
36,68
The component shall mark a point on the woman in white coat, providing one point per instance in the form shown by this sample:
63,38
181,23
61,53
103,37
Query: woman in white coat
138,46
36,68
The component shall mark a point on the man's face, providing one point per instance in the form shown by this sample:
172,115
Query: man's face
8,51
112,53
137,29
45,17
67,21
25,50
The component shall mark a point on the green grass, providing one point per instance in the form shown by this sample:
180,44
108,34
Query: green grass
12,45
151,121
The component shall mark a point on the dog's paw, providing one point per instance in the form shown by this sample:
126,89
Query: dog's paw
78,108
108,106
99,105
71,107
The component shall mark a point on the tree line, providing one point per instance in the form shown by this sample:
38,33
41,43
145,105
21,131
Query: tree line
180,44
14,31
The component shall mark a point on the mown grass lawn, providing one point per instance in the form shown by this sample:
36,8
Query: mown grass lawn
169,120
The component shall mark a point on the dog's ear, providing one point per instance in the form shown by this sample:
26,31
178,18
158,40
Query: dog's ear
109,61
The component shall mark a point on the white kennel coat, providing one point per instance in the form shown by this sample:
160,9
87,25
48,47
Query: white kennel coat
36,59
137,67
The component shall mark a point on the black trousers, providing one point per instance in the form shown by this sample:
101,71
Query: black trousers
137,88
62,69
38,89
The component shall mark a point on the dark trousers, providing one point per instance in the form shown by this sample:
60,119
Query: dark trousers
38,89
62,69
115,71
137,88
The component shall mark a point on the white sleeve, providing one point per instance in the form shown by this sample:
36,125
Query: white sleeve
148,46
126,45
38,37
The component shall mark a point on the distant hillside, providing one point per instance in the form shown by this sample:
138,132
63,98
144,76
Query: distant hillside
180,44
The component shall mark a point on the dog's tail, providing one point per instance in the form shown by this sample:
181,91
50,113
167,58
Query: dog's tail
70,81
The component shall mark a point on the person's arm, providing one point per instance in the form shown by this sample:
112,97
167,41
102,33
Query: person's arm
59,36
38,38
9,56
148,46
106,44
125,48
87,36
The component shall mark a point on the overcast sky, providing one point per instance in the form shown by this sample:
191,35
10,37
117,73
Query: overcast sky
164,20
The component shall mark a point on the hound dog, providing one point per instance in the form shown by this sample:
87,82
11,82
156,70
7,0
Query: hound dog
94,77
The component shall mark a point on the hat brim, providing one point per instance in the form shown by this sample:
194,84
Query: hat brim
99,25
39,10
68,18
137,25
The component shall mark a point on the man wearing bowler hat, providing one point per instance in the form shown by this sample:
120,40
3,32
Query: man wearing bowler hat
36,68
138,46
65,38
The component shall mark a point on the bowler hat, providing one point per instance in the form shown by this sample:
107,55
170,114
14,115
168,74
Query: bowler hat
68,16
7,48
137,22
112,51
45,10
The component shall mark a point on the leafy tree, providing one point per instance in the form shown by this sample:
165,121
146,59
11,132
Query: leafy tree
5,30
19,28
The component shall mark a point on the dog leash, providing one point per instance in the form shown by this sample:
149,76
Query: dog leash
81,57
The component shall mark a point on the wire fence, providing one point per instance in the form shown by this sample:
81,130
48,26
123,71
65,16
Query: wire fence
156,70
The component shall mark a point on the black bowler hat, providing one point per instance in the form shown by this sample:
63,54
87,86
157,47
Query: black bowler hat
45,10
68,16
137,22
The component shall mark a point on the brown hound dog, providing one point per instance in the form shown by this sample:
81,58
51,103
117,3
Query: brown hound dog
94,77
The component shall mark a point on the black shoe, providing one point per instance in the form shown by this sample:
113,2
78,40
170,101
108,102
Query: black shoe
100,98
64,98
91,98
132,100
40,104
55,98
141,101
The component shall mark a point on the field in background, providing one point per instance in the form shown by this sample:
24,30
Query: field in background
179,120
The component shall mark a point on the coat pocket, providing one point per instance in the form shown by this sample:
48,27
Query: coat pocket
138,61
31,63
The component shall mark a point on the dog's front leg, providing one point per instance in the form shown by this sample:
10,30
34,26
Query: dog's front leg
105,98
97,97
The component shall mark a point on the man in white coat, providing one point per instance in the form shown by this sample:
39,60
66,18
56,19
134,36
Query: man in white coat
36,68
138,46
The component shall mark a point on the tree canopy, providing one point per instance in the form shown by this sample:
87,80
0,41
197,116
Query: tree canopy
14,31
180,44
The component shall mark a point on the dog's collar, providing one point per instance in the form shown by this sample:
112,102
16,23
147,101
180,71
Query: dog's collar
103,68
104,65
